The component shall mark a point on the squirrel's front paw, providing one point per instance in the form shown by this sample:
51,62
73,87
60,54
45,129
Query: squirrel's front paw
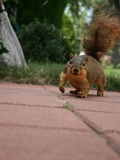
62,89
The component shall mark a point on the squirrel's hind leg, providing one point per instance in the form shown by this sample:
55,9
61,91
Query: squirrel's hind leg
100,88
83,93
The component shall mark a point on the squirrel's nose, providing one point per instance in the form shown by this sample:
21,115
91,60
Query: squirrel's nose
75,70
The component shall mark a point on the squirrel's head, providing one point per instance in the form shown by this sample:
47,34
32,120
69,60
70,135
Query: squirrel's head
77,64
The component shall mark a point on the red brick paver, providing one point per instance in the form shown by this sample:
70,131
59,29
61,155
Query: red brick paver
39,122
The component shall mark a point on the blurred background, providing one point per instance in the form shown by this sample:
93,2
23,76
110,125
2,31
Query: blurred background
50,29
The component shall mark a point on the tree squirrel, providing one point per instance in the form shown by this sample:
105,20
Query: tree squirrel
83,70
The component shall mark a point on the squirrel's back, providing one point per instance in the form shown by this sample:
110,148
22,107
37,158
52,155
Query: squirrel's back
102,33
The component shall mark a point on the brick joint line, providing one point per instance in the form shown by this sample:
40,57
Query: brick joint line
113,145
29,105
43,127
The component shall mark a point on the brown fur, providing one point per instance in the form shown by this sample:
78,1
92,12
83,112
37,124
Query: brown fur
82,71
102,33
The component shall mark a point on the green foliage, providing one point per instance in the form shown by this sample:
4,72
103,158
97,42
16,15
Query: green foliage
49,11
113,83
113,79
53,12
27,11
41,42
69,35
36,73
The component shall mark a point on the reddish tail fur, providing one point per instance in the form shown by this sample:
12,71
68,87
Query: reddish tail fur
102,33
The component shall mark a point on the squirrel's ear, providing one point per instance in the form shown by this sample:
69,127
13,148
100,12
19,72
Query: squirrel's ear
71,55
86,58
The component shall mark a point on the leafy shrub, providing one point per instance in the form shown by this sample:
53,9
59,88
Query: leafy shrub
113,78
41,42
69,34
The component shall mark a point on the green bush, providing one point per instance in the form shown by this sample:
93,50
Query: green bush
41,42
69,35
113,78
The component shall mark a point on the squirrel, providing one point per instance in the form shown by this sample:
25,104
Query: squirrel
83,70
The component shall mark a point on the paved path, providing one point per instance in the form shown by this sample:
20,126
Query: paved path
40,123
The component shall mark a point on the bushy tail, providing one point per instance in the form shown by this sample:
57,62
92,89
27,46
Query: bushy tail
102,33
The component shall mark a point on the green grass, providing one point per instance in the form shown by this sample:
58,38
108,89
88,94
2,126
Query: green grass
48,74
113,78
39,74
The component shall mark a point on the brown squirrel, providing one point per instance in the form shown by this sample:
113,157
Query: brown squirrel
83,70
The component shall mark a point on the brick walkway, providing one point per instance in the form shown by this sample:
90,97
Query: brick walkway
41,123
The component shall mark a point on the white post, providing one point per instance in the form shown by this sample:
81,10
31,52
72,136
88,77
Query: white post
8,37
